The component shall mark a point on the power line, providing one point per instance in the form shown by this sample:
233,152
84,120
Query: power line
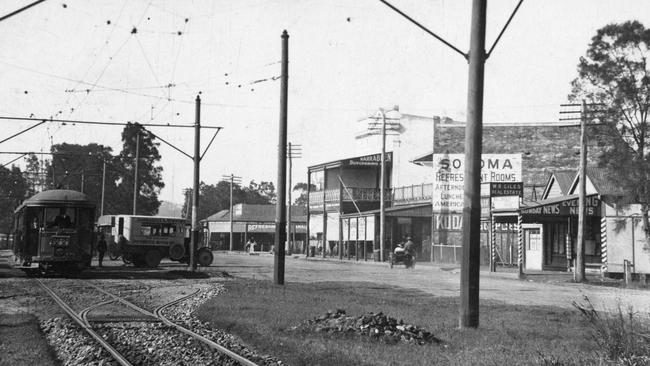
21,9
101,122
23,131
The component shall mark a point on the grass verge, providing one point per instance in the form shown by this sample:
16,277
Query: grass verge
23,343
262,315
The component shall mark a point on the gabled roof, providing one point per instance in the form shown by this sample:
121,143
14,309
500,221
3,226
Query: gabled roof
598,178
561,178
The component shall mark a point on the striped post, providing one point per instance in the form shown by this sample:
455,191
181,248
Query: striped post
493,245
520,253
603,245
568,249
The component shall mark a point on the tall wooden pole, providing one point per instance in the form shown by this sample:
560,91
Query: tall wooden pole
579,270
135,173
195,192
281,205
382,189
289,241
470,264
101,211
232,181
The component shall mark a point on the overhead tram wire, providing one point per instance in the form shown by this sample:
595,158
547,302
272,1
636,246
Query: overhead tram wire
102,122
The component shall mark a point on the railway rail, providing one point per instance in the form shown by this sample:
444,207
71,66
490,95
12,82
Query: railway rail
133,316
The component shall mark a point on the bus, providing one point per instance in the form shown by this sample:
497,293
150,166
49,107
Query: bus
146,240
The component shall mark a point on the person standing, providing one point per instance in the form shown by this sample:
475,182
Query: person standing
101,249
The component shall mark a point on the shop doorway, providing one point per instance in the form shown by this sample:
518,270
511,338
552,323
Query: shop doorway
533,234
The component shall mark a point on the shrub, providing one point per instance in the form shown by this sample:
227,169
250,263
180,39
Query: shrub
622,336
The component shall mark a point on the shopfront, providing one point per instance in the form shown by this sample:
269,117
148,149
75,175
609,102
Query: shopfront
550,228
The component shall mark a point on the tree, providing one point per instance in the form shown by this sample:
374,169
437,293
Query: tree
80,168
13,190
262,193
214,198
149,173
303,190
615,72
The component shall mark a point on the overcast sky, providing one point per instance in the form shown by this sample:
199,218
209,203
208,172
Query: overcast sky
128,60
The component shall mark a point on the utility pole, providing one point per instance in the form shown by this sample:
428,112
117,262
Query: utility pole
471,259
579,268
195,192
280,208
101,210
294,151
385,123
382,189
232,179
135,173
469,279
83,178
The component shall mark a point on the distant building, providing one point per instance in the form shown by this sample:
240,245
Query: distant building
253,222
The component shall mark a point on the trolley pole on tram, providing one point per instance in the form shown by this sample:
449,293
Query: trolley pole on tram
195,192
281,204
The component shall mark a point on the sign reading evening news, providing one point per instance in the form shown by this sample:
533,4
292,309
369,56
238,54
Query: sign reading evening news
569,207
449,171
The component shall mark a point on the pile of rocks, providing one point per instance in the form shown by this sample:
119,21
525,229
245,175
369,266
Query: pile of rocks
374,325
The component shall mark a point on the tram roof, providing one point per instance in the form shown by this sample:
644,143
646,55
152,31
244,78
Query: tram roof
61,197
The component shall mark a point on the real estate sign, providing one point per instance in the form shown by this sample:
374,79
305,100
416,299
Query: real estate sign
449,180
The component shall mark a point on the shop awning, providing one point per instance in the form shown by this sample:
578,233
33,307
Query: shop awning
563,206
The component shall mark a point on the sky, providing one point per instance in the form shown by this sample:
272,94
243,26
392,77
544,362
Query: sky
147,60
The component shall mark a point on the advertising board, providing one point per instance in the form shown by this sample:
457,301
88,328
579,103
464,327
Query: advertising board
449,171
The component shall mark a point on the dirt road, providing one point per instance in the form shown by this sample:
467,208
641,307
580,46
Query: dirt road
554,289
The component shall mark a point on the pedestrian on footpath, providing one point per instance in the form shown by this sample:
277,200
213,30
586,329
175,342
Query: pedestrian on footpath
101,249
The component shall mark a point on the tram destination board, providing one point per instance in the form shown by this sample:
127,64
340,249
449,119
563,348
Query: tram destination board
502,189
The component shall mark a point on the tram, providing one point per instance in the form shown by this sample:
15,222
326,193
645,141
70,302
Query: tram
53,231
146,240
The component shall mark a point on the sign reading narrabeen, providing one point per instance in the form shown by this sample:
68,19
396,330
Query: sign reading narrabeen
449,171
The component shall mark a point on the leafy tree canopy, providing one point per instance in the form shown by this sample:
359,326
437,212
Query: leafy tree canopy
13,190
614,72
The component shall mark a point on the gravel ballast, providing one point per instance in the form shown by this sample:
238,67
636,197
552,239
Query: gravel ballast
150,343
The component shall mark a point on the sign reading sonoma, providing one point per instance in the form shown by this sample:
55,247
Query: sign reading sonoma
449,180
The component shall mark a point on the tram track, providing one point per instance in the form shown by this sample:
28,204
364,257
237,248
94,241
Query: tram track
106,330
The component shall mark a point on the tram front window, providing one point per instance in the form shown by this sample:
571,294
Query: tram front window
59,217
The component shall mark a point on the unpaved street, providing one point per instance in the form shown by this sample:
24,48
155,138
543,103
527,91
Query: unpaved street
554,290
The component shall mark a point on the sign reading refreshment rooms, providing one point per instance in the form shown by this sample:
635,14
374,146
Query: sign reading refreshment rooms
449,180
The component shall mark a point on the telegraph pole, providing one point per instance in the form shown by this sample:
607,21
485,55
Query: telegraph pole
101,211
135,173
579,267
579,270
382,189
471,259
195,192
281,205
293,152
233,180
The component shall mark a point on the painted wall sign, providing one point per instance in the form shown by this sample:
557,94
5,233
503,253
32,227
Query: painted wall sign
449,177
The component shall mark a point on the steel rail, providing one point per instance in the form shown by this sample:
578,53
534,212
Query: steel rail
158,315
242,360
116,355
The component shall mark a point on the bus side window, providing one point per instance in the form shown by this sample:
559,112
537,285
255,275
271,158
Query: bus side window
120,226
